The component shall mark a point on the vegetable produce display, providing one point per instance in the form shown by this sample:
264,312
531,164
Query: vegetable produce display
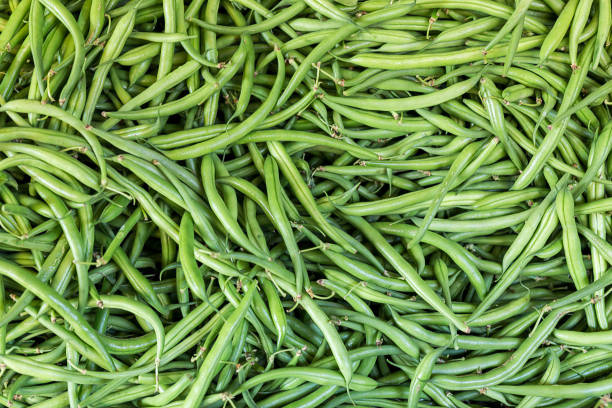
305,203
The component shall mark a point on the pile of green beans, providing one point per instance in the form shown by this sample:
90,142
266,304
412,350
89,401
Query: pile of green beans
305,203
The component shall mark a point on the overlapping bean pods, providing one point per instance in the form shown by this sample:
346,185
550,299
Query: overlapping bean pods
305,203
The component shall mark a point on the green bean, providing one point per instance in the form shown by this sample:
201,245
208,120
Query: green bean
190,100
49,372
248,72
464,342
318,375
115,44
270,23
540,236
406,271
57,302
120,236
33,106
64,15
36,36
205,373
457,167
242,129
323,47
503,312
467,365
579,20
516,361
140,284
490,94
13,24
170,393
572,337
193,277
468,29
602,246
48,268
603,29
596,95
127,304
96,20
571,244
422,374
438,59
73,237
558,31
531,224
554,135
410,103
575,391
403,342
200,216
274,198
219,207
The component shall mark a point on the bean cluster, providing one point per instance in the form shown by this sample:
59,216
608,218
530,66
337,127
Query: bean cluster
305,203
